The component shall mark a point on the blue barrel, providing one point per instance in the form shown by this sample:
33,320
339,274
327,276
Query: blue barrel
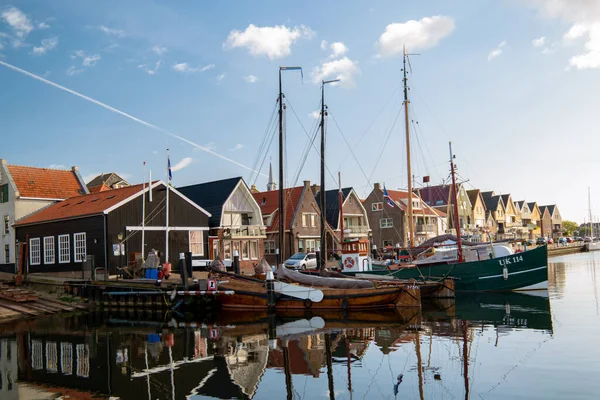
151,273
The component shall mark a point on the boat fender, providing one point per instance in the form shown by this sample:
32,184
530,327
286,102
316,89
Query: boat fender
505,273
308,303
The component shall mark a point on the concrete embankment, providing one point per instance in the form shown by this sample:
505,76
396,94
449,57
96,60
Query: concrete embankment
564,250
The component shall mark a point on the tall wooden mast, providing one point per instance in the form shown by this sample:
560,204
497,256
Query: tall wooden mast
459,251
411,227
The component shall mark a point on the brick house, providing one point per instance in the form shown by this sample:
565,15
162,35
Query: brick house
496,210
534,223
389,224
301,224
440,197
236,222
478,215
555,228
106,181
26,190
546,219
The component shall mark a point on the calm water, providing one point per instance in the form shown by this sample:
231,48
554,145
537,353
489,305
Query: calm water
493,346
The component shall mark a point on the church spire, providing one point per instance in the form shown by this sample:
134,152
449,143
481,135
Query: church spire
271,184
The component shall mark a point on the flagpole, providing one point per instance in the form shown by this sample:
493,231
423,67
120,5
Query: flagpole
143,208
167,202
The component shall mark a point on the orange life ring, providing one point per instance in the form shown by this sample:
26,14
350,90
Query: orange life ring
349,262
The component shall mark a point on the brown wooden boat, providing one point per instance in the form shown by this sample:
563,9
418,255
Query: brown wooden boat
252,294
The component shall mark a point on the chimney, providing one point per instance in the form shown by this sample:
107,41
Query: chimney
253,189
3,161
315,188
376,186
74,168
307,184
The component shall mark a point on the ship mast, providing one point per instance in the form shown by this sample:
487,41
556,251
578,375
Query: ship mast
459,251
411,227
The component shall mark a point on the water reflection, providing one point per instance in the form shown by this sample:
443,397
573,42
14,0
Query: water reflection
132,356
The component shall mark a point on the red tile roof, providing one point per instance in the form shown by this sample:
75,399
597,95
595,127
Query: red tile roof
399,195
81,206
99,188
269,203
45,183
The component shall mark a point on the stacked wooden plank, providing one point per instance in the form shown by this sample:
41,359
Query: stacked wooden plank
16,294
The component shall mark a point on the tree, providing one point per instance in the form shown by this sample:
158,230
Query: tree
570,227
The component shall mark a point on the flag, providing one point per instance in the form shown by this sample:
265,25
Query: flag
169,168
387,198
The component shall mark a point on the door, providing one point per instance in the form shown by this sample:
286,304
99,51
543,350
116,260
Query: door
311,260
213,247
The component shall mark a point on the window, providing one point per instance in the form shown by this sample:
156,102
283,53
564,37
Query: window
80,246
254,250
245,250
313,220
304,220
236,247
386,223
34,251
376,206
300,245
351,198
387,243
4,193
245,219
416,204
7,253
310,245
309,220
215,249
227,250
64,249
269,247
6,224
49,250
196,245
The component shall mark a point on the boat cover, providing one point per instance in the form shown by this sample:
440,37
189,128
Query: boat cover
441,239
312,280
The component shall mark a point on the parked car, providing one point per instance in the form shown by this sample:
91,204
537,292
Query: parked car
529,242
570,240
562,240
302,261
540,241
587,239
550,241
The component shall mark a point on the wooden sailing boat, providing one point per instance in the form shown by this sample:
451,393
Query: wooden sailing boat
591,245
329,293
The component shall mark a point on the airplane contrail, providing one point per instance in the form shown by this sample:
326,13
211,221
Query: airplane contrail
131,117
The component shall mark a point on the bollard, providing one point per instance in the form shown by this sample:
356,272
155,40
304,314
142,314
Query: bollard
272,321
320,265
278,259
184,271
236,262
270,291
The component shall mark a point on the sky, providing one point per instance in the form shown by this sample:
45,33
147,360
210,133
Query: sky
108,85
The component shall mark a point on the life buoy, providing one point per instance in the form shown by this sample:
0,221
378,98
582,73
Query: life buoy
349,262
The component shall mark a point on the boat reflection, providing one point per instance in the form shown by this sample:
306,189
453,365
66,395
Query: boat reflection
125,357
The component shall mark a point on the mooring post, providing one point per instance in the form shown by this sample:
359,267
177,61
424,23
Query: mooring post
272,321
320,263
278,259
270,291
236,262
184,271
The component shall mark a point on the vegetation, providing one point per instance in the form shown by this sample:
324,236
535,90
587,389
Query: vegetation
570,227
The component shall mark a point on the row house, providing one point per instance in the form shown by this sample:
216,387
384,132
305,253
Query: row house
513,227
495,210
301,223
530,219
105,230
25,190
355,218
551,221
236,222
478,216
440,197
106,181
389,223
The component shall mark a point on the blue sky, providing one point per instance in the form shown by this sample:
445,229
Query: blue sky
511,83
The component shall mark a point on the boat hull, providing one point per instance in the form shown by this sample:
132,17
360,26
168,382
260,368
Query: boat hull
253,295
591,246
524,271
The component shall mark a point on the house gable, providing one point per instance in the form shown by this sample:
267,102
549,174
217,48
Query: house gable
240,201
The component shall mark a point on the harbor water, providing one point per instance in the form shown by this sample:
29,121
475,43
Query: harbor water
481,346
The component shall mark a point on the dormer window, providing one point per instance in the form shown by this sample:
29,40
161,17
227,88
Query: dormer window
245,219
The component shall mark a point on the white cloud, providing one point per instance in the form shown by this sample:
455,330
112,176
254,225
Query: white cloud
497,51
338,49
57,166
250,79
221,77
539,42
148,70
273,41
315,114
415,35
160,50
343,69
584,17
237,147
112,32
323,44
47,45
43,25
185,162
72,70
18,21
185,68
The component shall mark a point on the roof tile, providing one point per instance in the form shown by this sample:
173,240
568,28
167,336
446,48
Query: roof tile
45,183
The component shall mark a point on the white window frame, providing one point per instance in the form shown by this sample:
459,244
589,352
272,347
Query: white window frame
254,246
6,227
386,223
77,238
7,253
35,253
201,243
304,220
244,250
377,206
269,247
313,220
49,245
66,252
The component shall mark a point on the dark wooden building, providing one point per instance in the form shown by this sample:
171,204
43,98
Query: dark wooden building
62,236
